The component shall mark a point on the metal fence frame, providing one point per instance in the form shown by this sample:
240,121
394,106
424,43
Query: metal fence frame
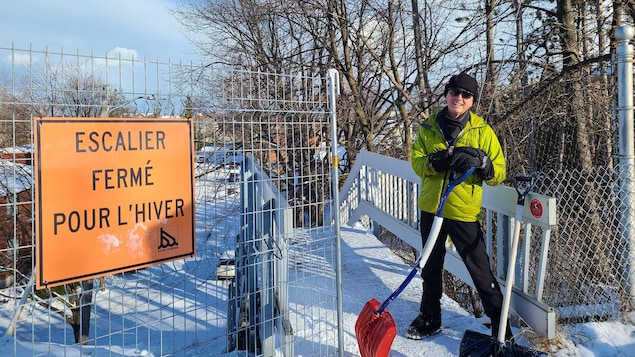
181,307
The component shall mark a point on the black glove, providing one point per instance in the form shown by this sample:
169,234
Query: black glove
441,160
464,161
468,157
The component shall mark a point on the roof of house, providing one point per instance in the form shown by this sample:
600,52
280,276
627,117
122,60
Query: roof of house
14,177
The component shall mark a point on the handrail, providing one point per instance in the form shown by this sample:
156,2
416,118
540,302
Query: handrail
266,226
364,197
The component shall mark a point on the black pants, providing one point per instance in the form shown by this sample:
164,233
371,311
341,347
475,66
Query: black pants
467,237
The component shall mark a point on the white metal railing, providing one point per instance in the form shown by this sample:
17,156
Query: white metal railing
385,190
260,290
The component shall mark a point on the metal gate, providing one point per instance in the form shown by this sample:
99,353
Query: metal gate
183,307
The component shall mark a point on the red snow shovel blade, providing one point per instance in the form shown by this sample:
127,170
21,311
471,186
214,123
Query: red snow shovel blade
475,344
375,333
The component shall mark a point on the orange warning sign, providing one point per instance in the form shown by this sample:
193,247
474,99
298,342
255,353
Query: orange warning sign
112,195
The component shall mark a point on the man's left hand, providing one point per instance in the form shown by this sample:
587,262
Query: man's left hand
467,157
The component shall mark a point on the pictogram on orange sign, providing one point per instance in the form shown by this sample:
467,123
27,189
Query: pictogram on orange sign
112,195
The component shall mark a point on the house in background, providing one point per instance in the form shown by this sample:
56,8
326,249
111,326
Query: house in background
16,208
18,154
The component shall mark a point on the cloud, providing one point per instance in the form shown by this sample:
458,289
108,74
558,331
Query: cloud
123,53
20,59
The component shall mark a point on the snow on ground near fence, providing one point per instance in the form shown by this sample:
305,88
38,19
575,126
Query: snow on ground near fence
372,270
369,270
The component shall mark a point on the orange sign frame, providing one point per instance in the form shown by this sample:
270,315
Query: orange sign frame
112,195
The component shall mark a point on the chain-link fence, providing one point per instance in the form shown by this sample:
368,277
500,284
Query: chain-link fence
586,270
566,132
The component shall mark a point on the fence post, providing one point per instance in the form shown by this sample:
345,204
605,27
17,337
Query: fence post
624,34
333,91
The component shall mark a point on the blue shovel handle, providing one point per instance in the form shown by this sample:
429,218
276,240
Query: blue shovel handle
432,237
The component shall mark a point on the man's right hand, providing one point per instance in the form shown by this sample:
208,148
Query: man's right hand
441,160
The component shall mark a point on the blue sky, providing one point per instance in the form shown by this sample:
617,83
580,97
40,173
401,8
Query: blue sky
144,28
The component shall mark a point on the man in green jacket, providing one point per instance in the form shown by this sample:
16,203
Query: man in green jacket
455,140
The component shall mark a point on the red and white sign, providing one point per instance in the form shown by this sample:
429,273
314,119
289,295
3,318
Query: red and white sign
535,207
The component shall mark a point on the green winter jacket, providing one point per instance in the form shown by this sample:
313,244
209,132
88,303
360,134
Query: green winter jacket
465,201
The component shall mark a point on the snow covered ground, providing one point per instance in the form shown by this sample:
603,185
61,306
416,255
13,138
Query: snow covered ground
369,270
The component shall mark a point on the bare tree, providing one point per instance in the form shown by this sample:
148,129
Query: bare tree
15,120
371,44
66,89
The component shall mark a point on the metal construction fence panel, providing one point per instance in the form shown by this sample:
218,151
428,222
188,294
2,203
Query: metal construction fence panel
187,306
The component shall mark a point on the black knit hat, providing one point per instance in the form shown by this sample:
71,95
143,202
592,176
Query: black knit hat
463,81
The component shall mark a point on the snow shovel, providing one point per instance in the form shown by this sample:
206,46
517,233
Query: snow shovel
375,328
476,344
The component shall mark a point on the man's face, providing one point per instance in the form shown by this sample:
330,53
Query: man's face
459,101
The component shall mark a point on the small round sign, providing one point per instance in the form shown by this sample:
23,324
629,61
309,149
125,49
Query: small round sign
535,207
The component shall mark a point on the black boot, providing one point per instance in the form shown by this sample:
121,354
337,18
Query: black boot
508,331
424,325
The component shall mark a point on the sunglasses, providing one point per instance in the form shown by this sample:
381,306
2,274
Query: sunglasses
466,94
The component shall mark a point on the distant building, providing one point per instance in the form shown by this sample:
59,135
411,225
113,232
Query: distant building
19,154
16,212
